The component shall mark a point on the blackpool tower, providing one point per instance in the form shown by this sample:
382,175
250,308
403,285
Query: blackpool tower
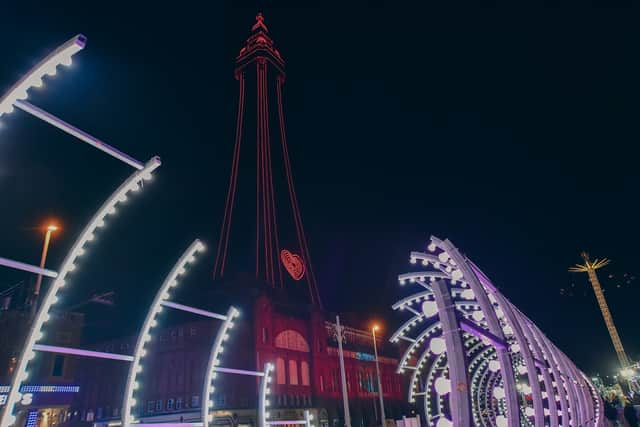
262,230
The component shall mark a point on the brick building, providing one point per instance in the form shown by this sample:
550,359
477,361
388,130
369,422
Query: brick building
297,339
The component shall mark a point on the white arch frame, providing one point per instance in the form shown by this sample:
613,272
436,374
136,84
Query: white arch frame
501,327
131,184
144,336
34,77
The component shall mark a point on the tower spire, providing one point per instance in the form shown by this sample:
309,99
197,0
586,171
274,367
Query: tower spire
279,249
590,268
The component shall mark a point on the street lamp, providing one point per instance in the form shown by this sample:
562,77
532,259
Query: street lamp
45,249
375,351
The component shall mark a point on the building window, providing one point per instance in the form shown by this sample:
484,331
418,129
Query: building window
58,366
264,335
158,405
321,383
293,372
178,404
281,374
181,332
90,415
195,401
116,411
192,332
292,340
169,404
99,413
150,405
304,372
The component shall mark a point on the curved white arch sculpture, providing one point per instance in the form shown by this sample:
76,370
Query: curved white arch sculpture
495,356
48,66
214,361
144,335
131,184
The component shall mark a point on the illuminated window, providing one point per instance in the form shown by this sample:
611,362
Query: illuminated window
264,335
281,375
304,372
158,405
178,403
293,372
321,383
169,404
292,340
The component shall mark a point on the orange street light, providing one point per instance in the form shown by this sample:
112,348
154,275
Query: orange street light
45,249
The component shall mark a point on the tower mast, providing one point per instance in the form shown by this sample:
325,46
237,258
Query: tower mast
590,268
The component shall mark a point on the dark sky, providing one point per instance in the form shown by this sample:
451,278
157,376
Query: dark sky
509,131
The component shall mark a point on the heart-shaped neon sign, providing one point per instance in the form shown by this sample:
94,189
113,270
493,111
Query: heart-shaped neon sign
293,263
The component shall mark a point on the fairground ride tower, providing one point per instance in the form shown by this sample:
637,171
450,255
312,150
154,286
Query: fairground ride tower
590,268
262,226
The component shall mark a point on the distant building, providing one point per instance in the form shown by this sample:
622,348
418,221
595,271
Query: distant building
299,341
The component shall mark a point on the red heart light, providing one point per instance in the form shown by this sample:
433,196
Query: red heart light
293,263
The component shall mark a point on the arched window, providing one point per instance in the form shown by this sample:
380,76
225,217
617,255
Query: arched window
304,372
292,340
281,374
293,372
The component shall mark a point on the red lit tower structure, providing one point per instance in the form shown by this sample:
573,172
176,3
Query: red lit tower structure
261,153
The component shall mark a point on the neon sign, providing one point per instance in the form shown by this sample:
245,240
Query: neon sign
293,263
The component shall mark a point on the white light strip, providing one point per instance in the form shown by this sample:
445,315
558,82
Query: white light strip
27,267
35,334
80,134
80,352
62,55
150,321
263,403
284,422
214,361
193,310
238,371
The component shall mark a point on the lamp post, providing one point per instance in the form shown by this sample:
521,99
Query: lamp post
45,249
345,398
375,351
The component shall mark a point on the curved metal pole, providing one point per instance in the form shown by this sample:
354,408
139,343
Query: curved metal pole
150,321
33,78
552,403
264,395
494,327
68,265
532,374
210,374
456,356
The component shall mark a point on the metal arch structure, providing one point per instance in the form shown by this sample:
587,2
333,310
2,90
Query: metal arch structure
109,207
150,321
479,361
16,97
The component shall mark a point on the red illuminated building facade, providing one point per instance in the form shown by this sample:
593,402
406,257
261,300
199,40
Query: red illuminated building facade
298,340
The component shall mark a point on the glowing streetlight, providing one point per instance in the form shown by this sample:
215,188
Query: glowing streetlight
375,351
45,249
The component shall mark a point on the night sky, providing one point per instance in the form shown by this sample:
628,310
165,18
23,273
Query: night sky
511,132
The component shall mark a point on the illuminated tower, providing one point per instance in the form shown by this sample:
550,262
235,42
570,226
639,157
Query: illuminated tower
590,268
262,226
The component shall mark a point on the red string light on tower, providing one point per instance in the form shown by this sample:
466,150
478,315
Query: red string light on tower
280,250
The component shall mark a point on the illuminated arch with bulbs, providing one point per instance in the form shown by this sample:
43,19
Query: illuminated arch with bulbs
476,360
131,184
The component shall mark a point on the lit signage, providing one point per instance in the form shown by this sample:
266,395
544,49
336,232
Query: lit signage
365,356
28,390
293,263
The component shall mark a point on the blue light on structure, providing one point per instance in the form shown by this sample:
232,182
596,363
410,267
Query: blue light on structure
32,419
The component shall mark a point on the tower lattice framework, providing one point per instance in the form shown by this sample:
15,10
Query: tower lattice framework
261,194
